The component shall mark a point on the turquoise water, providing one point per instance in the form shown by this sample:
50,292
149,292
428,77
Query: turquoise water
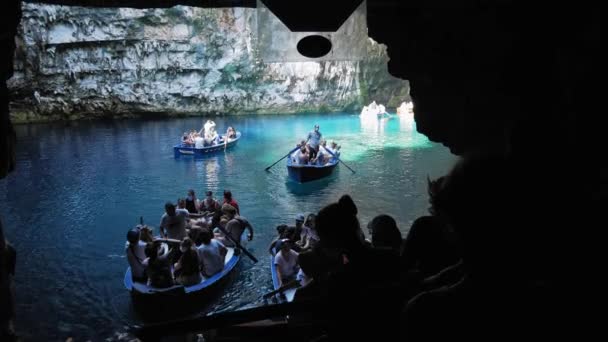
79,187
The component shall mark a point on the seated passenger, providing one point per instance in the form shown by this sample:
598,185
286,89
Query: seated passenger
185,139
281,234
209,204
199,142
228,199
308,236
145,234
301,156
211,253
286,262
158,267
192,203
385,233
230,133
211,137
136,254
173,223
187,269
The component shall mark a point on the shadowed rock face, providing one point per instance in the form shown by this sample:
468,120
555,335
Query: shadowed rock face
75,62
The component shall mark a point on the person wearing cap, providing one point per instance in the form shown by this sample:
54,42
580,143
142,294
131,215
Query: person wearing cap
209,204
229,200
286,262
136,254
314,139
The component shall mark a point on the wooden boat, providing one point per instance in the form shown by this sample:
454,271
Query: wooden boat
144,294
190,150
287,294
306,173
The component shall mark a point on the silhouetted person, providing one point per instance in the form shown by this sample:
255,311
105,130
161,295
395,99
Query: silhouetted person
362,301
385,233
429,247
499,291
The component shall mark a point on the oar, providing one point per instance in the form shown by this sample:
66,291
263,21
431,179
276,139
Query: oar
285,156
236,243
291,284
335,156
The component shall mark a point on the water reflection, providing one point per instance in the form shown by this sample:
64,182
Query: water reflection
371,124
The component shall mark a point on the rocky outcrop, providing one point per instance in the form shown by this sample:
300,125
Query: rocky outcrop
77,62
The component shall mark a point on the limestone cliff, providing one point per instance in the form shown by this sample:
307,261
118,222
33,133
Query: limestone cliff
78,62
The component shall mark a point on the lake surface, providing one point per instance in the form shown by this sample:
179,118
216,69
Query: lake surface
79,187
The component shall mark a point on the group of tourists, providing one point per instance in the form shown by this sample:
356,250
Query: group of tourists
202,230
314,150
208,136
289,242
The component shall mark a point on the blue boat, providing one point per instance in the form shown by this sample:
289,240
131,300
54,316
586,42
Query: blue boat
189,150
306,173
142,294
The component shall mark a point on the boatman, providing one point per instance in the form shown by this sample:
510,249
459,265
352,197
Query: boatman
314,139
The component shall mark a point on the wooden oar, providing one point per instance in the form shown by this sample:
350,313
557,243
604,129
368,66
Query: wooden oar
285,156
237,244
335,156
291,284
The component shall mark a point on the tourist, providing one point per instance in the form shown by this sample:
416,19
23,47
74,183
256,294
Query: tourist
229,200
385,233
199,142
281,234
158,265
286,262
235,226
209,204
211,253
192,203
301,156
308,237
136,254
187,268
314,139
172,225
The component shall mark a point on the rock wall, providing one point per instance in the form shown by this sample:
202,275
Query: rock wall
79,62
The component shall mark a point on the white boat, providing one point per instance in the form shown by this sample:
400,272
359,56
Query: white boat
406,108
374,110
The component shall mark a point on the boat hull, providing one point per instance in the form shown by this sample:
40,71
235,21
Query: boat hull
308,173
184,150
179,297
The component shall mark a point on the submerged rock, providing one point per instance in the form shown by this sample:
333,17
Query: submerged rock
79,62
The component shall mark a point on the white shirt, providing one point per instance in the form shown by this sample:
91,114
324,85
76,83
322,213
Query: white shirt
199,142
210,258
137,258
175,226
288,268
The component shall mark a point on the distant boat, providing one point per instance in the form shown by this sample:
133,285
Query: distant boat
179,295
306,173
405,108
374,110
189,150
